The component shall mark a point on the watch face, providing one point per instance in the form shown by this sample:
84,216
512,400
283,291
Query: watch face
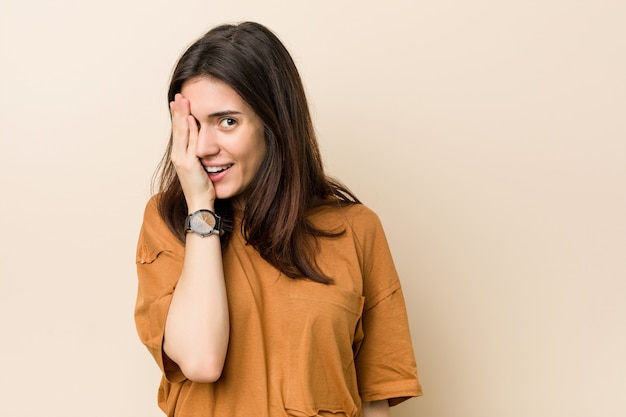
202,222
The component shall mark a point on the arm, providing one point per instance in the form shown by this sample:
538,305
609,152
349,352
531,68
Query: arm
197,325
376,409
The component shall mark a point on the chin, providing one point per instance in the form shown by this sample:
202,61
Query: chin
225,194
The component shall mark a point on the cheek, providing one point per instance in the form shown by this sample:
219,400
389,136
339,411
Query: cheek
260,151
256,162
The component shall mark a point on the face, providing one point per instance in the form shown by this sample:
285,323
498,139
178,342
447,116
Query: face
231,142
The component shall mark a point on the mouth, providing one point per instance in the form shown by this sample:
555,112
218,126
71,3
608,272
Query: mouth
217,169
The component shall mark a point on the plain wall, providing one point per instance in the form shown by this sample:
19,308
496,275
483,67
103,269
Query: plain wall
490,137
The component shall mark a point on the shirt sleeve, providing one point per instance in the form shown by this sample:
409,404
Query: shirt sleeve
159,264
385,362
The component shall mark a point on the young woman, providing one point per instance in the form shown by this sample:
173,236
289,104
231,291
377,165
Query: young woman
265,288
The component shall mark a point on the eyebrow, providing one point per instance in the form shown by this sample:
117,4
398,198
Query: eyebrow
224,113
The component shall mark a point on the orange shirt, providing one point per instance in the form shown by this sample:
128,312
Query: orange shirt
297,347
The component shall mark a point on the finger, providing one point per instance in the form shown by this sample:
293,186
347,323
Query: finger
178,105
180,109
193,136
180,127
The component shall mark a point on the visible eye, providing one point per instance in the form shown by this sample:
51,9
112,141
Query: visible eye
227,123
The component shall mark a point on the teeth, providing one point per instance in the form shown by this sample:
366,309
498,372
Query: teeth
214,170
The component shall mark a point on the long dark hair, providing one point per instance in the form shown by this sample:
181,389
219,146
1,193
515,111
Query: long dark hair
250,59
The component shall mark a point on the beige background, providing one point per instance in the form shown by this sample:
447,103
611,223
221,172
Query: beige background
490,136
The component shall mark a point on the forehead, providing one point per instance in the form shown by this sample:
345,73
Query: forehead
208,95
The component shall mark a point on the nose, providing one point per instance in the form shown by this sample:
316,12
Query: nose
207,143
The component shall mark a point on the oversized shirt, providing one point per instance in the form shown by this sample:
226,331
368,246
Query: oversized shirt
297,348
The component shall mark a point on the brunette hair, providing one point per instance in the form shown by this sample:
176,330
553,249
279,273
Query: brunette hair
250,59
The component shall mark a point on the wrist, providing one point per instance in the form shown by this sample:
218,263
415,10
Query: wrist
200,205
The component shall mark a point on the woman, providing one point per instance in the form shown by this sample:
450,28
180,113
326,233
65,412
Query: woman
265,288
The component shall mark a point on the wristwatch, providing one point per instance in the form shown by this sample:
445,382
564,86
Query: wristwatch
204,223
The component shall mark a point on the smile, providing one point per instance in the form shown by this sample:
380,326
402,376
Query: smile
215,170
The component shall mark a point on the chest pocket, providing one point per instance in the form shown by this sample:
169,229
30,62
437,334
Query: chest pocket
321,377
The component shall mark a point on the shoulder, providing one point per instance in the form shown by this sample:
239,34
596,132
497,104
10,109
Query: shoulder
151,218
155,235
357,219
